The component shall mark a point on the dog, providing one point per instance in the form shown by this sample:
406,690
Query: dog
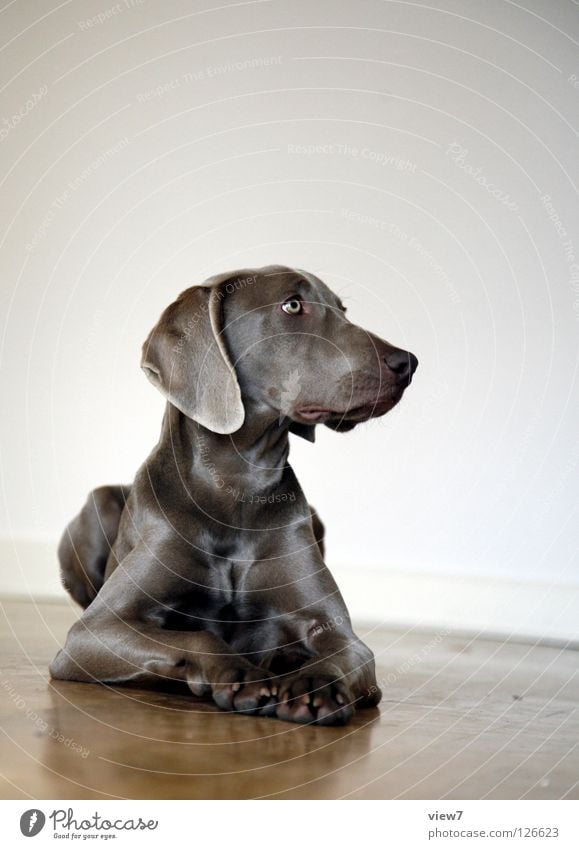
209,571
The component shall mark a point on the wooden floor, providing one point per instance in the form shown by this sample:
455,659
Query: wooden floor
461,719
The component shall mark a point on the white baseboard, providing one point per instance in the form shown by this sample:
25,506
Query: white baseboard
29,567
530,611
473,605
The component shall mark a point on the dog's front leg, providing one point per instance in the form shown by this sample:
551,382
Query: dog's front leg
326,670
113,642
114,651
338,677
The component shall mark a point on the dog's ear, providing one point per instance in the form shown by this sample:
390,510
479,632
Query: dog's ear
185,357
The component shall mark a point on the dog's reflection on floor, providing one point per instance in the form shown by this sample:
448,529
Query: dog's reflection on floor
132,743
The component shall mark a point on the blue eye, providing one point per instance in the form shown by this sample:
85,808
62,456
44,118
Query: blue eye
292,307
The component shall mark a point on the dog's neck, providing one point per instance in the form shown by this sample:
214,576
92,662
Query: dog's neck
253,457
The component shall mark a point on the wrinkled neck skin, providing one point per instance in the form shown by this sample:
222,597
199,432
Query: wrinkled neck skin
237,468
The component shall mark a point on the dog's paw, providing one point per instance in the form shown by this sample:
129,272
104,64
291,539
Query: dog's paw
317,700
246,690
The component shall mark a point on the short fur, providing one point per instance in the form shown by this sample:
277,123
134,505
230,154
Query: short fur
208,571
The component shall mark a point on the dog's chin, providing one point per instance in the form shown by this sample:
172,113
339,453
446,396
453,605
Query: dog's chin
348,419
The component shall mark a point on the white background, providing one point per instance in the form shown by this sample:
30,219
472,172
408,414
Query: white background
162,147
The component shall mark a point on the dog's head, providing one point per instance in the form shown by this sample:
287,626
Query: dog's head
276,337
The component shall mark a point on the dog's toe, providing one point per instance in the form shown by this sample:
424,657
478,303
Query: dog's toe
318,700
249,691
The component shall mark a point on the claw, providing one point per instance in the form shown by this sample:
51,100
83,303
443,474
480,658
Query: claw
322,704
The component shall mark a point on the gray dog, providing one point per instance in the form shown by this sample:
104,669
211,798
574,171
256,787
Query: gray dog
209,569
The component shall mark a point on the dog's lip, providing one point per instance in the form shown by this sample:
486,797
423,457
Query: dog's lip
367,411
316,413
313,413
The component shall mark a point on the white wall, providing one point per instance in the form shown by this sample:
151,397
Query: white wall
441,131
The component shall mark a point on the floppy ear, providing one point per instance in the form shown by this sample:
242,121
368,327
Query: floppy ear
185,357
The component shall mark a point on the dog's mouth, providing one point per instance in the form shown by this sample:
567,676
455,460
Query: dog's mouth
313,414
351,416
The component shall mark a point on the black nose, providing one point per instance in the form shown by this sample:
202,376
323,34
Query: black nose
402,363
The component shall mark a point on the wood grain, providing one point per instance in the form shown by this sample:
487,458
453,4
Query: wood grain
461,719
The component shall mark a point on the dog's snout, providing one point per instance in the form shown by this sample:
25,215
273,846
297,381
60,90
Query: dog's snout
402,363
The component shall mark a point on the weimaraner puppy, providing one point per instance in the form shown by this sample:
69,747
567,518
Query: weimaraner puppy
209,569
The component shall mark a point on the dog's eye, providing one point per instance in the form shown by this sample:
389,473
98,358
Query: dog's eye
292,307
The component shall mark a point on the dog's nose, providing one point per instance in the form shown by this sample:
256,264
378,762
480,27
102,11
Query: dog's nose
402,363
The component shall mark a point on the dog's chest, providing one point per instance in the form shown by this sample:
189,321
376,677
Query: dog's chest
228,556
217,592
